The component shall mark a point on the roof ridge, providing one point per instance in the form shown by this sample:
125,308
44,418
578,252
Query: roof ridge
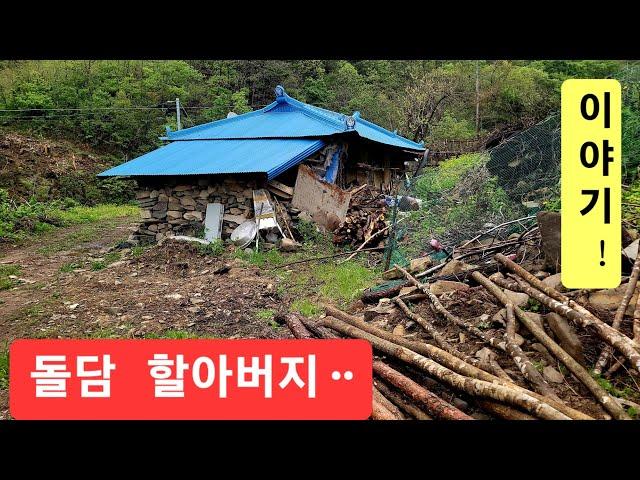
310,110
197,128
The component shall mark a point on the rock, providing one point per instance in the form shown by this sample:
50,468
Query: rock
181,188
144,214
408,290
549,225
536,317
174,214
234,218
195,300
566,335
541,274
193,216
542,350
235,211
418,265
392,274
304,216
399,330
632,250
480,416
462,337
518,299
455,267
173,296
441,286
288,245
194,309
73,306
555,282
552,375
519,340
500,317
610,299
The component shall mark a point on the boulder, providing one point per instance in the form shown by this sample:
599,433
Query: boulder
555,282
567,336
518,299
455,267
441,286
552,375
610,299
549,225
418,265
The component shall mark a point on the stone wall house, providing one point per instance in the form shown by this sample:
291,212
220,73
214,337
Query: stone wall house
224,161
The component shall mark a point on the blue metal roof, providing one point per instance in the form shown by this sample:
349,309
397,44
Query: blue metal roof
211,157
289,118
270,141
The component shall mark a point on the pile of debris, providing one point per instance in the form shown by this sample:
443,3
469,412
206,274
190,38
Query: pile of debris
488,338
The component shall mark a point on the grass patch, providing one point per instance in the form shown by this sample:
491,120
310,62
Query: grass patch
346,281
265,314
171,334
626,392
215,248
98,265
4,367
69,267
305,307
5,271
261,258
82,214
137,251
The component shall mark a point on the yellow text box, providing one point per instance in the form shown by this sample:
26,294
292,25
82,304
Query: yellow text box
590,182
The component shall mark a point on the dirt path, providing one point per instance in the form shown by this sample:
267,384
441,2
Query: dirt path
41,259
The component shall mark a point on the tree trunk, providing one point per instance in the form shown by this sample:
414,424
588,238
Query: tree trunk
397,399
603,360
601,395
434,405
448,360
317,330
472,386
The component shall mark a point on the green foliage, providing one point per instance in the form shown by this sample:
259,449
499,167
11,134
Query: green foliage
18,220
625,392
69,267
4,367
98,265
5,272
137,251
436,180
305,307
261,258
265,314
633,413
214,248
532,305
630,143
309,232
344,282
450,127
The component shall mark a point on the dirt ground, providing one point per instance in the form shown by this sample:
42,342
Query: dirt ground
167,291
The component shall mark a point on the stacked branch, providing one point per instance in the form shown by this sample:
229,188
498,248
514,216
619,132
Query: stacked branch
359,225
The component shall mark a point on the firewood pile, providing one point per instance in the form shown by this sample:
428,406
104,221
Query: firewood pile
493,339
365,218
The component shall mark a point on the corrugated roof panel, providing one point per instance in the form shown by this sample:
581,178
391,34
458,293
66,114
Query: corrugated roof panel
211,157
290,118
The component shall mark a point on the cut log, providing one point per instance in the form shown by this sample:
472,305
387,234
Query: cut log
529,372
380,412
471,386
317,330
386,403
606,400
294,323
447,360
434,405
607,351
503,411
570,309
401,403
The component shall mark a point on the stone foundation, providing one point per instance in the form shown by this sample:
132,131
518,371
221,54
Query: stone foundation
177,208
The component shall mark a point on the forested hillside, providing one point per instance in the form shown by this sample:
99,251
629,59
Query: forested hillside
121,106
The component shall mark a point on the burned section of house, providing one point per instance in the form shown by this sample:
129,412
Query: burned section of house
264,170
